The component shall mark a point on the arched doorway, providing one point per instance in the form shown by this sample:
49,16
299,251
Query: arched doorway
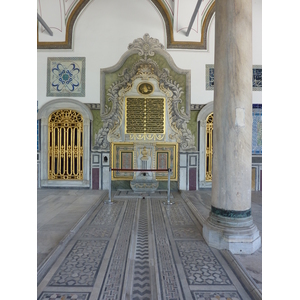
65,143
205,145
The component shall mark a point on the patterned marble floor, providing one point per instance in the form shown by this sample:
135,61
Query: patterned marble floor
137,249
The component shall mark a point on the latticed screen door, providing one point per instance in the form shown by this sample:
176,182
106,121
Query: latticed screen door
65,145
209,147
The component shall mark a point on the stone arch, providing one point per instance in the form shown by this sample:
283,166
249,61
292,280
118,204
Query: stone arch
67,43
171,43
44,112
204,112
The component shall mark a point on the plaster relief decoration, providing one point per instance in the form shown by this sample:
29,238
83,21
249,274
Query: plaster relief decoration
256,77
66,76
145,74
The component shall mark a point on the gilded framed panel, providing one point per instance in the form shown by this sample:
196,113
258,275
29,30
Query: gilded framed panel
166,157
144,116
122,158
66,76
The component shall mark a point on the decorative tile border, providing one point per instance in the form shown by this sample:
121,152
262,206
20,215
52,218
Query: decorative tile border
64,295
256,77
168,277
210,77
141,279
66,76
113,282
257,129
97,106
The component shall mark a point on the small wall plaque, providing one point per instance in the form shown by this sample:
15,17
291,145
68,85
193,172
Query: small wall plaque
145,88
66,76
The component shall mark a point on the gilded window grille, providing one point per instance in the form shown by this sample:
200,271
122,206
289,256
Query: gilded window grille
209,147
65,145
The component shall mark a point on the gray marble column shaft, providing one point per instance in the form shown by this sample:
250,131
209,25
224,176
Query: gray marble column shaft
230,224
231,186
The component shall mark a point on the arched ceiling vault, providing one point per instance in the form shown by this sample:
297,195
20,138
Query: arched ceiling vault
175,13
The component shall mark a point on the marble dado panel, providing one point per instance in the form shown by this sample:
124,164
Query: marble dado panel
100,170
189,169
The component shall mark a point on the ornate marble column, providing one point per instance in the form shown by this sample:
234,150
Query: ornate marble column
230,224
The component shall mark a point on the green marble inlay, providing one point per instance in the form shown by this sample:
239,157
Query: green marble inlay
163,185
114,76
97,123
120,184
125,184
179,78
192,125
231,213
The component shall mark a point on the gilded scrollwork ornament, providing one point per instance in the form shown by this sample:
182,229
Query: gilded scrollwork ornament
145,68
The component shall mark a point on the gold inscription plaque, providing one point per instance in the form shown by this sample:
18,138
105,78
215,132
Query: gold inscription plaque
145,115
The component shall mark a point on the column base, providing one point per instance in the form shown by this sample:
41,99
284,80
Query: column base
239,235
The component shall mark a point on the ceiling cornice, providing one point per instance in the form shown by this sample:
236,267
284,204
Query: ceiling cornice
171,43
67,44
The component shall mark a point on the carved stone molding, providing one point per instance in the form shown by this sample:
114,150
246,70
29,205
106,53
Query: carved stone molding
93,105
97,106
145,68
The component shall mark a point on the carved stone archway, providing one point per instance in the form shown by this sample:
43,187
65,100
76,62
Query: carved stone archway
204,112
44,112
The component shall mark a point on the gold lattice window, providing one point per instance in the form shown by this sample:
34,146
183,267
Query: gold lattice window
65,149
209,147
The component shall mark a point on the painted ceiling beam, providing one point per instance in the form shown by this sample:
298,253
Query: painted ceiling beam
44,24
193,17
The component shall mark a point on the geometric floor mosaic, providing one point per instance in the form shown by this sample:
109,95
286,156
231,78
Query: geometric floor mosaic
200,264
64,296
216,295
140,249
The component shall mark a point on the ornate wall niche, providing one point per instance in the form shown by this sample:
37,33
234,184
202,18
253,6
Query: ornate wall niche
145,64
43,114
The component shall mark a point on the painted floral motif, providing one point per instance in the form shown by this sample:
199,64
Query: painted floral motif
66,77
